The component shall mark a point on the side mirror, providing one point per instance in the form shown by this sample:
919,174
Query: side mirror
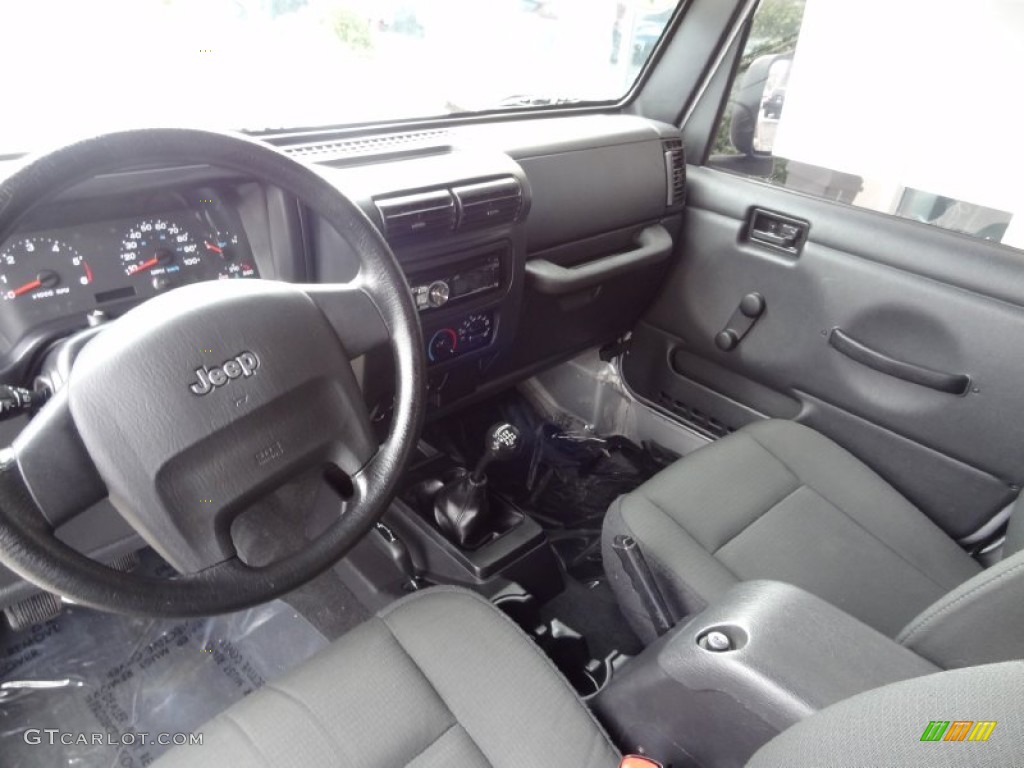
758,103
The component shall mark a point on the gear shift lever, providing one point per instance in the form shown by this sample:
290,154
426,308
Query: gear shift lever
503,443
461,506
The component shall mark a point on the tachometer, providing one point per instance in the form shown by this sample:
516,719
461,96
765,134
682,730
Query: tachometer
41,269
159,248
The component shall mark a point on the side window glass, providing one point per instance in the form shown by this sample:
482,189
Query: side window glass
895,107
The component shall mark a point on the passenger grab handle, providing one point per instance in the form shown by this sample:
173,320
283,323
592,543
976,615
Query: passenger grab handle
653,245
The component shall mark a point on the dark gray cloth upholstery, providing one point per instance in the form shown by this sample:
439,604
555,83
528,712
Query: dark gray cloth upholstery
979,622
439,679
884,727
779,501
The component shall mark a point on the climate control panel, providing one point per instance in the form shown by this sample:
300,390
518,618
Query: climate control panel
471,333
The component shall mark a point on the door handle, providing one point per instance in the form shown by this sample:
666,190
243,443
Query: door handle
653,244
774,238
777,230
952,383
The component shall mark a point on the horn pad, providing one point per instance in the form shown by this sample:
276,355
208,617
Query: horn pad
200,400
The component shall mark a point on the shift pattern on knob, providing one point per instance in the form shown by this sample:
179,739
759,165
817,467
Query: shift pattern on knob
503,439
502,443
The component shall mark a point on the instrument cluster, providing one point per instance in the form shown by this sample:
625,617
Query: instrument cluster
113,264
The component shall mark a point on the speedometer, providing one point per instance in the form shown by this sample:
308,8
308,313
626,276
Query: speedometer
159,248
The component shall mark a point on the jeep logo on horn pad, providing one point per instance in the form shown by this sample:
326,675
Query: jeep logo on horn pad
208,379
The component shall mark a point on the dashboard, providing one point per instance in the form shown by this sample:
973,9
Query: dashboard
479,217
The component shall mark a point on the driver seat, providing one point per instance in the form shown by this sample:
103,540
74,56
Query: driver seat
440,678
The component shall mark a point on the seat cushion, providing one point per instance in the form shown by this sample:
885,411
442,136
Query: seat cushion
975,712
439,679
779,501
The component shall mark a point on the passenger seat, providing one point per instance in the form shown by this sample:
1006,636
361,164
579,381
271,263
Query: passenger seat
777,500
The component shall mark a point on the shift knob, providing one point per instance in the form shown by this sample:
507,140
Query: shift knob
503,442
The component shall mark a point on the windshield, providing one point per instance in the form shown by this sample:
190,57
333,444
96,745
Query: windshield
73,67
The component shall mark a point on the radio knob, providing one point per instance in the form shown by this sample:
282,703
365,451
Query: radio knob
438,293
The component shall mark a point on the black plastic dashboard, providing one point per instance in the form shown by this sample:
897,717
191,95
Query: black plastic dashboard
524,242
472,211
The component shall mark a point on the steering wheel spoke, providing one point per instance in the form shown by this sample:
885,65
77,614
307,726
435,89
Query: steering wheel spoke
352,310
54,464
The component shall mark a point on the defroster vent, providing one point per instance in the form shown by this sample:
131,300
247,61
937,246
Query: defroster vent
375,146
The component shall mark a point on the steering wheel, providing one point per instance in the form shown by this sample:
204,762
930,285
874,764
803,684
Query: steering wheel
195,404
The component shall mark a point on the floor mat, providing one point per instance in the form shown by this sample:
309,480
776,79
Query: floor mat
574,477
112,685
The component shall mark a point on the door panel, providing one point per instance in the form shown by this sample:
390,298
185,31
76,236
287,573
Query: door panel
917,295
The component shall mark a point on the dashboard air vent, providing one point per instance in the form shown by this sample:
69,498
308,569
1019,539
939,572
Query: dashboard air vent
675,169
410,217
489,204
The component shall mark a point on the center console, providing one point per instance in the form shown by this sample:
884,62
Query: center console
459,531
719,686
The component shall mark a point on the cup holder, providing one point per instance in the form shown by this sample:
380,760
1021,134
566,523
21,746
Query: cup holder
566,647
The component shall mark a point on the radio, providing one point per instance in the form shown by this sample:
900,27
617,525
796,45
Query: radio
467,280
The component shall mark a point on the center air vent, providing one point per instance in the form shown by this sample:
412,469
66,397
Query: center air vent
410,217
489,204
675,170
440,212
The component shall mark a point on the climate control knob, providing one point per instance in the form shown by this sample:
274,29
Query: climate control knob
442,345
438,293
